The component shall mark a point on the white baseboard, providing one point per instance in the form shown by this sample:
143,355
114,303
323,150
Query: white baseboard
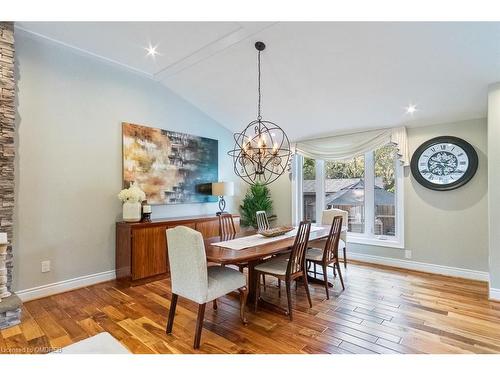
65,285
494,294
82,281
424,267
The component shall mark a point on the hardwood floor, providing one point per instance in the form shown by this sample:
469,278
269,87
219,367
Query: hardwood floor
382,310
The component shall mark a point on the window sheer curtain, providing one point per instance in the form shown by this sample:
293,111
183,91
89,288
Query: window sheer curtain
347,146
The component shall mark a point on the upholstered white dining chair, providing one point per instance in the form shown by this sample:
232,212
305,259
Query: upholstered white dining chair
327,219
192,279
262,221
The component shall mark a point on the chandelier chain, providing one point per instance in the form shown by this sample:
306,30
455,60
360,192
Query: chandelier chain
259,116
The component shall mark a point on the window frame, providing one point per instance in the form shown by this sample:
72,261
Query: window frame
367,237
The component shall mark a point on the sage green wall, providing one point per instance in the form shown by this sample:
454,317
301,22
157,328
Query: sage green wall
68,171
445,228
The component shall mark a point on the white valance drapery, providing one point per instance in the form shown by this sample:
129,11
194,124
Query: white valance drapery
347,146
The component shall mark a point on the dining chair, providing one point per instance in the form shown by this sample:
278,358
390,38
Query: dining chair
327,219
192,279
262,221
288,267
329,254
227,230
263,224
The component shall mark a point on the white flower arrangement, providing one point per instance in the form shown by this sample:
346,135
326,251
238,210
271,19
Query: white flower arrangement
133,194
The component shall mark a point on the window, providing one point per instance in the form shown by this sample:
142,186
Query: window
345,189
369,187
385,191
309,189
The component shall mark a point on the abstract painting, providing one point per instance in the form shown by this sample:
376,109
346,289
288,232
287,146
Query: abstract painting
169,166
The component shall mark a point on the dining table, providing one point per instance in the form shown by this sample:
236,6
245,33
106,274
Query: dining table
252,255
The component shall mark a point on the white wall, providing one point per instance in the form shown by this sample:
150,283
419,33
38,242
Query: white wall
70,109
493,184
444,228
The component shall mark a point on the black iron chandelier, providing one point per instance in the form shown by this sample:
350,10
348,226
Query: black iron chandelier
262,151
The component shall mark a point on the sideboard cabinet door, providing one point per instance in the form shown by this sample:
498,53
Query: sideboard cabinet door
149,252
208,228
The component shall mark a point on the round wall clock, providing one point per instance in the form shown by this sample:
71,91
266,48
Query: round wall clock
444,163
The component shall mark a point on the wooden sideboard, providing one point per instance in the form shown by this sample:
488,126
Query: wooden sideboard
141,248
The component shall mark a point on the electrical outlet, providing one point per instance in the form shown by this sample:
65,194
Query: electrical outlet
46,266
408,254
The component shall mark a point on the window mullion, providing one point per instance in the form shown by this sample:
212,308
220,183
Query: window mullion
369,194
320,189
297,191
399,201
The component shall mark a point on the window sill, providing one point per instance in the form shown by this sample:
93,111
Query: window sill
392,242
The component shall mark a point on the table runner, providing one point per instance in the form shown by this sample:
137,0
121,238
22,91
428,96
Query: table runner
257,240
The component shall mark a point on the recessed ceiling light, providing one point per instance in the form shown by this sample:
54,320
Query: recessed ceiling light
411,109
152,51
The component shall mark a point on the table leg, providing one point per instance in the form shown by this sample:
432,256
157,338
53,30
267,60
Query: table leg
252,282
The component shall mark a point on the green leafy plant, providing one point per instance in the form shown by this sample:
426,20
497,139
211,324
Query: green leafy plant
257,198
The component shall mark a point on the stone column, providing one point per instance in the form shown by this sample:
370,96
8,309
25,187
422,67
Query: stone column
4,292
10,311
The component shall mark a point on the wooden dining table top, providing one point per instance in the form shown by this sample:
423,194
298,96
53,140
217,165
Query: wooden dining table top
223,255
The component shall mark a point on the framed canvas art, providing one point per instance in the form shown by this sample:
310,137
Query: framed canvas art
169,166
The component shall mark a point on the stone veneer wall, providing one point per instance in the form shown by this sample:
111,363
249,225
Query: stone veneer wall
9,307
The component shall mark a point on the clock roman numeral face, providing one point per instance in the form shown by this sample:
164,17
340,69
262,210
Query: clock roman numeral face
443,163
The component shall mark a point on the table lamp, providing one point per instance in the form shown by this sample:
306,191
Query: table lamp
222,189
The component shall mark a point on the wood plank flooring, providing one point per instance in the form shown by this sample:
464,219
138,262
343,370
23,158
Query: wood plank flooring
383,310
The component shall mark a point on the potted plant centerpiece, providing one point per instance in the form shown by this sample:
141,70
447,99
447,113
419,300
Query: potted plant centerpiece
257,198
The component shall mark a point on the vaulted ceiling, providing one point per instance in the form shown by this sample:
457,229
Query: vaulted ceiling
318,77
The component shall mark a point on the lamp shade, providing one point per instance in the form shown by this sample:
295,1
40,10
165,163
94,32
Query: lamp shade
223,188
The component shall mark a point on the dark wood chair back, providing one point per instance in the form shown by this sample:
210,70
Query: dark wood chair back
227,230
331,251
262,221
296,262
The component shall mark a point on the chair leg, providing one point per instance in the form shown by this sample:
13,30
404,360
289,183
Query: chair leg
289,298
279,288
306,286
325,278
315,273
264,281
243,302
199,325
257,292
340,275
171,313
215,304
345,259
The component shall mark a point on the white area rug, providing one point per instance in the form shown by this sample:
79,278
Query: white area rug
103,343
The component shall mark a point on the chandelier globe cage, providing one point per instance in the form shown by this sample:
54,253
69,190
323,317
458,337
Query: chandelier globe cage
262,152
